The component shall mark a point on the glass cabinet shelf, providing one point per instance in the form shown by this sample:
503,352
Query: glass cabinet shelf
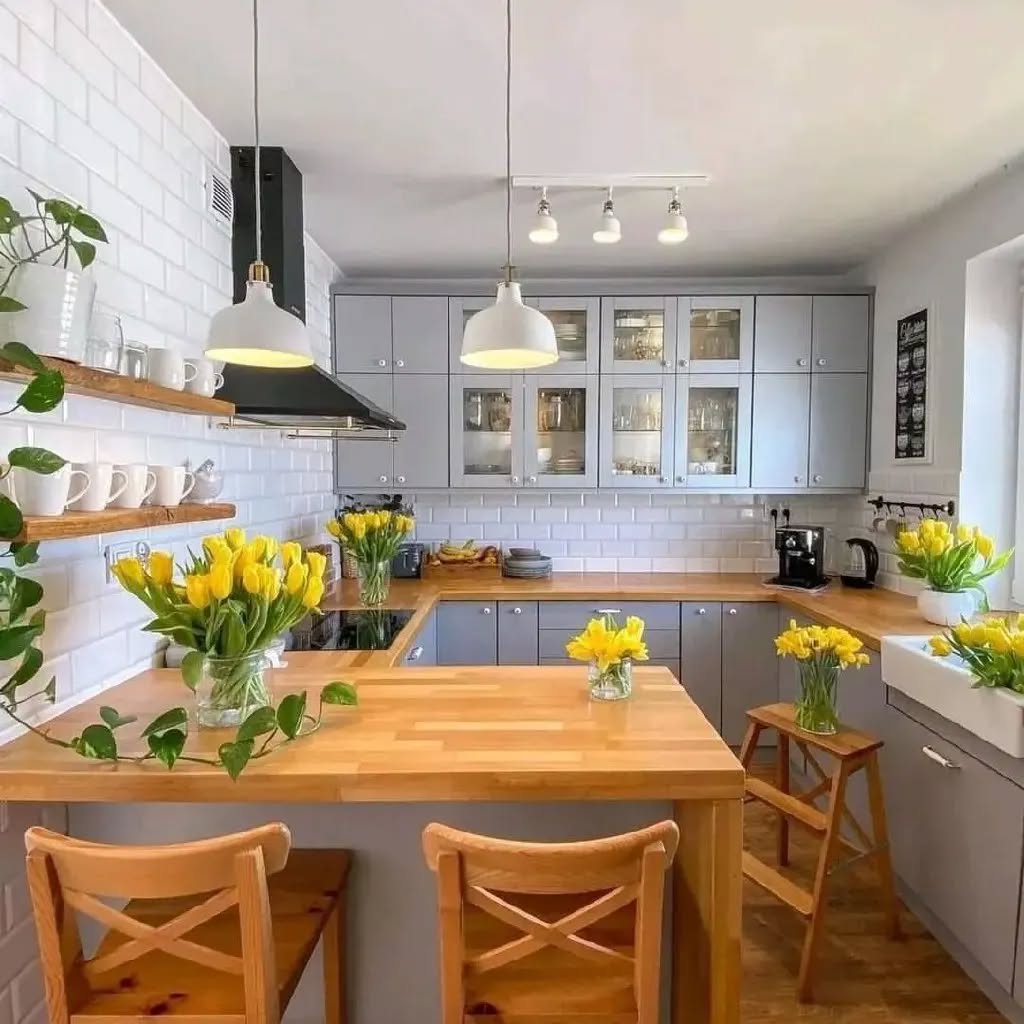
713,444
561,415
716,334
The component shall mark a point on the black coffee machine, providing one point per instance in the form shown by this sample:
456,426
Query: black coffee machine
801,557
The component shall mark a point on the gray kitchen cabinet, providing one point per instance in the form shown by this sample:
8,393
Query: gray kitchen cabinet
637,430
561,430
712,426
459,312
780,431
838,435
424,648
362,334
577,323
467,633
517,633
574,615
840,333
366,465
955,828
782,334
750,670
715,334
421,456
486,432
419,334
638,335
701,657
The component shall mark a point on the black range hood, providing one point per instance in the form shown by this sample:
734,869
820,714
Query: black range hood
300,399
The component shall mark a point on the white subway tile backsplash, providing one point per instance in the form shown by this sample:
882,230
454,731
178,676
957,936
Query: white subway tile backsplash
160,90
116,126
82,54
114,208
8,137
87,145
112,40
36,59
550,515
137,107
138,184
36,14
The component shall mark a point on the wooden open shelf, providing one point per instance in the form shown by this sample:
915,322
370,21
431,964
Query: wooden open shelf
112,520
83,380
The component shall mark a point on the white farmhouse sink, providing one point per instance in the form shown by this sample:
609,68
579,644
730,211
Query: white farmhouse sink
944,685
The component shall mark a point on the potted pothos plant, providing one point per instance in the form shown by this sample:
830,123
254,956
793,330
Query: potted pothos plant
43,258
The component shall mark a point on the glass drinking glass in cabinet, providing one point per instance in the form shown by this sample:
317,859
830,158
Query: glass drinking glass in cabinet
570,333
636,431
561,430
487,439
714,334
639,334
711,431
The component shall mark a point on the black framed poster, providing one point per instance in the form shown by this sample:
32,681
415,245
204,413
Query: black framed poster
912,359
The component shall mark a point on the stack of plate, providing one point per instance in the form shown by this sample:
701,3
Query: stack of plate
526,564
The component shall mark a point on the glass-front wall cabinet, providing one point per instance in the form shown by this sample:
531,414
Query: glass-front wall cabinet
636,430
562,430
638,335
713,430
716,335
486,430
577,333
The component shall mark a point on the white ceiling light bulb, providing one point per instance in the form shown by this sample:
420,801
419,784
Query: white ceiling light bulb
675,229
509,335
256,331
610,230
545,227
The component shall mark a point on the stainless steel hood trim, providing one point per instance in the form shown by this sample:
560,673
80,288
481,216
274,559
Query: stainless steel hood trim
300,429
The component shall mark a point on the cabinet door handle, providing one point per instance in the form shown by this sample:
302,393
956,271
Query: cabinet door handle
517,611
665,363
399,479
486,609
817,478
415,654
801,362
515,479
399,363
702,611
822,362
383,478
680,479
607,611
382,362
684,362
797,479
732,611
531,479
933,755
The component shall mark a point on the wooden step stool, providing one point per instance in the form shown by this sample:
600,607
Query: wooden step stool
852,751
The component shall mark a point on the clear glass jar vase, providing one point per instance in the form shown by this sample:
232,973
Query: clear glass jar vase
231,689
374,583
819,690
613,683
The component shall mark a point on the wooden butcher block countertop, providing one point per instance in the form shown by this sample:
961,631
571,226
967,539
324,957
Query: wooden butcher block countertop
418,734
868,614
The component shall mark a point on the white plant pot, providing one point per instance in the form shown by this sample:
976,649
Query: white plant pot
59,301
947,609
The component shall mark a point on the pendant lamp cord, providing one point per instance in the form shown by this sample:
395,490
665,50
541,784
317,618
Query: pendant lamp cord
508,141
256,126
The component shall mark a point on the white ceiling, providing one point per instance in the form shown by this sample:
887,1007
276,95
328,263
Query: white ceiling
824,124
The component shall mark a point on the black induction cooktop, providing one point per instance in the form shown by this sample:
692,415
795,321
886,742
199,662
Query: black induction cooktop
366,630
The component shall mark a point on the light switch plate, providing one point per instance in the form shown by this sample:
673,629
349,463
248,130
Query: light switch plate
125,549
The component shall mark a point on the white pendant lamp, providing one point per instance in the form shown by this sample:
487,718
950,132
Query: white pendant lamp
545,227
675,229
609,231
509,335
256,331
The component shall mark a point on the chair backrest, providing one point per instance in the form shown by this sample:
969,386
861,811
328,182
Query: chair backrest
474,870
67,875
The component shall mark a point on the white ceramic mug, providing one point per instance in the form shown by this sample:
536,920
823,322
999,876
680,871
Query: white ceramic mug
207,380
45,494
169,369
172,484
139,485
102,489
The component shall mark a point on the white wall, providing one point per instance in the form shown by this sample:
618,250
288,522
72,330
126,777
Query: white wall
84,113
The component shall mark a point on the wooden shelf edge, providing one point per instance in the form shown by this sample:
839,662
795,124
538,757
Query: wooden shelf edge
83,380
115,520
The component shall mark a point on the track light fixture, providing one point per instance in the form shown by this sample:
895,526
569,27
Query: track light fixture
545,227
675,229
610,230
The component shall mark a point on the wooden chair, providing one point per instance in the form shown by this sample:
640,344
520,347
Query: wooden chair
218,930
851,751
545,932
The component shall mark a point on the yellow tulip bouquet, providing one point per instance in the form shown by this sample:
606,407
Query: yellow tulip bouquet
992,651
229,605
373,537
610,652
948,560
821,652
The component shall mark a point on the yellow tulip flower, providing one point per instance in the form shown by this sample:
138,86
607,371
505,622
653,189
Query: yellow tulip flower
271,549
936,546
161,567
383,517
221,580
313,592
295,580
129,573
927,529
317,564
940,646
909,542
258,548
234,537
962,631
979,634
998,639
252,579
197,590
964,533
291,552
985,545
1017,643
334,528
271,583
244,557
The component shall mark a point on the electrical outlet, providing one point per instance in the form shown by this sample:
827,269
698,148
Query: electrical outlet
746,513
125,549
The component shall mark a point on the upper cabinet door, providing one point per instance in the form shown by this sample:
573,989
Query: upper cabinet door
419,334
839,421
840,333
486,417
716,335
561,430
421,454
781,422
366,465
577,333
636,430
782,334
713,430
638,335
459,312
362,334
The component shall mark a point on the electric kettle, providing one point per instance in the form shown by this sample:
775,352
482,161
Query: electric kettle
861,566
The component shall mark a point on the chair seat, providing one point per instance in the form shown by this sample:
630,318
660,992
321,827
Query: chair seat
302,896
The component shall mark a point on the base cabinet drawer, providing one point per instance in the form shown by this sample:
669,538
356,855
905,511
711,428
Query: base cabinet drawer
955,829
662,644
574,615
467,633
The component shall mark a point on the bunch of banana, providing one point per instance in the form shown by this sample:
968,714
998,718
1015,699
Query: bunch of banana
451,552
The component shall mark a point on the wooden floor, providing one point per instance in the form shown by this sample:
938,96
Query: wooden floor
863,977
